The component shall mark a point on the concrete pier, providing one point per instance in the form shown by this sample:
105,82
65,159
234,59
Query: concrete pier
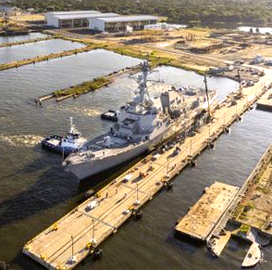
255,207
67,242
265,103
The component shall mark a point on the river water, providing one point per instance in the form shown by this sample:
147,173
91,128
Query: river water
31,50
35,192
9,39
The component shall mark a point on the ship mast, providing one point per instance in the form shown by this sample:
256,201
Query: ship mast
142,81
73,129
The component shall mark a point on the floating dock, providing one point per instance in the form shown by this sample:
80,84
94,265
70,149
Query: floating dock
67,242
265,103
200,221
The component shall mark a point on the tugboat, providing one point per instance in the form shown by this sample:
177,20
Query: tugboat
65,145
110,115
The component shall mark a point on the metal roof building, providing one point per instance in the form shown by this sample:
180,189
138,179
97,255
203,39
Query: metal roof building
121,23
72,19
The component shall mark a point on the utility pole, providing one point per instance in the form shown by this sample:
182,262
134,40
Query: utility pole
137,195
93,239
6,21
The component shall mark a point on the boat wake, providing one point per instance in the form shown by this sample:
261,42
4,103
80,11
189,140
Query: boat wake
91,112
81,111
22,140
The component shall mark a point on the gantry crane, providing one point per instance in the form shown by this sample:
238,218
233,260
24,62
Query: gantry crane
210,116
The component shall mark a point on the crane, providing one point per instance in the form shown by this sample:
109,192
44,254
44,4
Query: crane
208,98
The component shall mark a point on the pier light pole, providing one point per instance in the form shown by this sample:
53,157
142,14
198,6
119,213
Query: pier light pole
93,239
72,239
62,154
167,166
137,195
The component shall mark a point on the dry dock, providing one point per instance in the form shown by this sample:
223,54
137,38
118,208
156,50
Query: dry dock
67,242
265,103
204,215
251,210
255,208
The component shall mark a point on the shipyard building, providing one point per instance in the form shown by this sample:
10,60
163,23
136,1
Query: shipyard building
71,19
97,21
121,23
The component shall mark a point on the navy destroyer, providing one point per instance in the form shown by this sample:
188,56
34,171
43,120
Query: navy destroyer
142,124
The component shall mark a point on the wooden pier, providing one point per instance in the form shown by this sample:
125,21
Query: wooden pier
67,242
204,215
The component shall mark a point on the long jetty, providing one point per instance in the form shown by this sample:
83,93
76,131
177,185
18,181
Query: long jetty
87,86
23,42
72,238
41,58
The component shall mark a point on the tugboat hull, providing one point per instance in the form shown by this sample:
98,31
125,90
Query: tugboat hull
52,143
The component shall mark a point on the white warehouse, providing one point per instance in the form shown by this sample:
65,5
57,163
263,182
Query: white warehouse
70,19
121,23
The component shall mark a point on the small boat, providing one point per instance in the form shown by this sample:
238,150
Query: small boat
110,115
65,145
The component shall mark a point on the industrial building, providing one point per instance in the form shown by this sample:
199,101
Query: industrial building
121,23
70,19
10,11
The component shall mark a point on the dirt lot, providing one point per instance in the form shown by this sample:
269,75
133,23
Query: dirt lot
180,47
28,17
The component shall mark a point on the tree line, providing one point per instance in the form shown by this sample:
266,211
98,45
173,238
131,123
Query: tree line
195,12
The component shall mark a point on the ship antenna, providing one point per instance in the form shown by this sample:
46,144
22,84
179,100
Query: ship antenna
73,129
71,125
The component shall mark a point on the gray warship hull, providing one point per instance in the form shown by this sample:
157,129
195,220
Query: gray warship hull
88,169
